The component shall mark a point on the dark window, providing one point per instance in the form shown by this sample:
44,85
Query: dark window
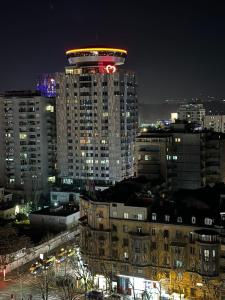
114,228
166,233
101,252
153,245
166,247
125,242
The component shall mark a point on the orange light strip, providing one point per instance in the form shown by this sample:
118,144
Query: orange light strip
96,49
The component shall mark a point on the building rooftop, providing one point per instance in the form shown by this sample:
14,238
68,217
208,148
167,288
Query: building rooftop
60,211
181,206
21,93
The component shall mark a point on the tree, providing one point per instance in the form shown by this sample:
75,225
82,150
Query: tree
67,287
21,217
80,271
44,283
10,242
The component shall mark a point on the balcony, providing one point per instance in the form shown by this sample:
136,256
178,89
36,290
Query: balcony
206,236
139,234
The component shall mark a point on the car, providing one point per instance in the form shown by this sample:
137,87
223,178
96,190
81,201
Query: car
96,295
61,256
35,265
71,252
37,270
48,264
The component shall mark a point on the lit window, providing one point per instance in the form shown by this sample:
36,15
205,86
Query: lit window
50,108
167,218
51,179
179,264
105,114
103,141
67,180
206,255
154,216
208,221
179,220
126,255
140,217
174,157
89,161
11,180
126,215
193,220
168,157
114,214
83,154
177,140
147,157
23,136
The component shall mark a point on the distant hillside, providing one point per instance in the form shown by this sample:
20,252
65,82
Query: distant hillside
149,113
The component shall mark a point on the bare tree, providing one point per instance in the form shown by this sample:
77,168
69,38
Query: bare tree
67,287
44,282
81,272
10,242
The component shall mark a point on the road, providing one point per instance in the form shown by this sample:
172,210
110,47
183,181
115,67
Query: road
20,283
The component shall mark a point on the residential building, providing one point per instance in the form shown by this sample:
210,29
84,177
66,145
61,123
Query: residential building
56,218
215,123
180,156
192,113
159,247
64,197
27,141
8,207
96,107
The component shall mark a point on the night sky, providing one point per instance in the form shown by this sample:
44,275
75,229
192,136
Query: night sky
177,48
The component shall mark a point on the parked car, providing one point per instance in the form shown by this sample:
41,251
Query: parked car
95,295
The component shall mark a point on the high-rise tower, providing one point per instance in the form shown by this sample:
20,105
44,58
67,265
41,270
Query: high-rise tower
27,141
97,117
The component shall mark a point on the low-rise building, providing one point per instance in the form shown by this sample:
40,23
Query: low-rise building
168,248
55,219
8,206
63,197
182,157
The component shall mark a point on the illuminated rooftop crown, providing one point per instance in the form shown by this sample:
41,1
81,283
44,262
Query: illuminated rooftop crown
95,56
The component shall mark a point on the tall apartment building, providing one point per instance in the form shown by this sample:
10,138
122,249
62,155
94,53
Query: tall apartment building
167,249
183,158
96,108
215,123
192,113
27,141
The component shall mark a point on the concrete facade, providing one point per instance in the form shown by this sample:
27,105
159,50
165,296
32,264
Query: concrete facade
96,123
27,151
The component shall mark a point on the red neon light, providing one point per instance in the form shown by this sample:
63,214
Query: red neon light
110,69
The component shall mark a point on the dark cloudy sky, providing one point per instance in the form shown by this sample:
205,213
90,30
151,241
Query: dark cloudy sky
177,48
